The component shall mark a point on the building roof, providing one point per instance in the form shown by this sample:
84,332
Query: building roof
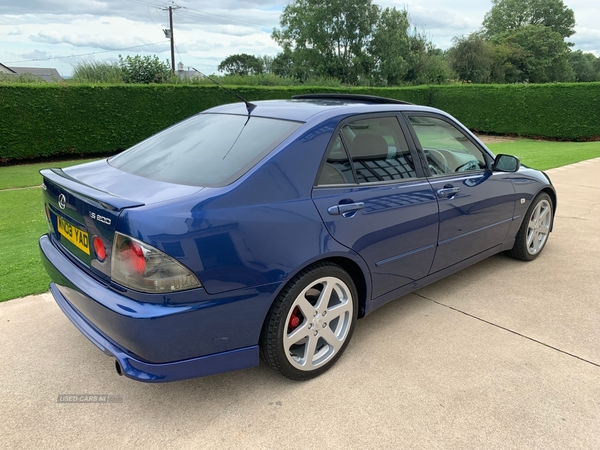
46,74
187,74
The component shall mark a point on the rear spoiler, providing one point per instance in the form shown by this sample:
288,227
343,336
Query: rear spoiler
105,199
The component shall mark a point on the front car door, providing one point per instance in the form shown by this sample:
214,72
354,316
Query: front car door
476,205
374,198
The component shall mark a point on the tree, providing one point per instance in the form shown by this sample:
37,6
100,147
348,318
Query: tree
267,63
390,47
242,64
355,42
585,66
504,67
427,64
144,69
511,15
328,38
435,67
539,54
471,58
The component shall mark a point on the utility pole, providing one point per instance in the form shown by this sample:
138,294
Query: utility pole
169,32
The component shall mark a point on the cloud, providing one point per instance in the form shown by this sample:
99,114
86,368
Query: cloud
203,45
231,30
206,33
587,40
36,54
96,41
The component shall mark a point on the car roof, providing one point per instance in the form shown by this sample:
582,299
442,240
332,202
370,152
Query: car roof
303,108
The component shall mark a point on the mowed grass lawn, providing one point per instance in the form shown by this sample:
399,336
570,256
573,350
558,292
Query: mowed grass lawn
544,155
22,219
22,222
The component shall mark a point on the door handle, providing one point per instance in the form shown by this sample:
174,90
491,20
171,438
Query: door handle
336,210
448,192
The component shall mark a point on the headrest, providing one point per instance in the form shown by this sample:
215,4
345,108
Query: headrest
369,146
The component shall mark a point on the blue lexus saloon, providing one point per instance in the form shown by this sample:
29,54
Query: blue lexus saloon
268,229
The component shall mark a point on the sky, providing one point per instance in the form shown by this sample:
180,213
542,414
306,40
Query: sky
62,33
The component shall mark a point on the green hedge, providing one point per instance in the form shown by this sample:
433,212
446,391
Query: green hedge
45,120
563,111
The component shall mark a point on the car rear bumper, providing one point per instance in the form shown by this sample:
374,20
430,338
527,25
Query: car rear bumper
156,342
157,373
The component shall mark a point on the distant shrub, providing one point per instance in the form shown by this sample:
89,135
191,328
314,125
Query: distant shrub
144,69
97,72
20,78
263,79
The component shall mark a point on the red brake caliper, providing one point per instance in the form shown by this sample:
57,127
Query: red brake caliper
294,320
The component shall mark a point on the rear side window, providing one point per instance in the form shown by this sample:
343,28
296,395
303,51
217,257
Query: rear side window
205,150
378,153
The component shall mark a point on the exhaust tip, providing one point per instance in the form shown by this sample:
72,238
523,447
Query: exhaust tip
118,367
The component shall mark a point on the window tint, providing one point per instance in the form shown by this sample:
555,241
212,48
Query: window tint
205,150
378,150
337,168
447,149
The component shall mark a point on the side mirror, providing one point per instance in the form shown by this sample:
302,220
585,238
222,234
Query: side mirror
506,163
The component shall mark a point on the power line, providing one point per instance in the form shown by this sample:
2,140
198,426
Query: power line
83,54
146,3
153,23
180,58
222,18
219,18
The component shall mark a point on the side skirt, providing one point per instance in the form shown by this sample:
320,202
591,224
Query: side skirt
404,290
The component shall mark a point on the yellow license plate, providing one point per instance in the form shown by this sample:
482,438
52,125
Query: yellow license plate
79,238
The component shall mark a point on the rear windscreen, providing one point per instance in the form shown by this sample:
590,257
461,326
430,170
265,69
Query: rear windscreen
205,150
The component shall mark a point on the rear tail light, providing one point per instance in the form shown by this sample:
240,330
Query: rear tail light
49,222
141,267
99,249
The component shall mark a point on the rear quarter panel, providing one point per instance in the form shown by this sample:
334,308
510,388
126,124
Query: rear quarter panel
262,229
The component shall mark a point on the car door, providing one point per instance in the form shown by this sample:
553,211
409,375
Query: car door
476,205
373,198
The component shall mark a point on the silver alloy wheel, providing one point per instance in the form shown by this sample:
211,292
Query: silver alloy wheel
539,227
318,323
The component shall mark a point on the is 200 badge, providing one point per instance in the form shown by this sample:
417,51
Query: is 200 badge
100,218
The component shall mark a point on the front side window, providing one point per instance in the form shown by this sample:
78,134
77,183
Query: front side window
378,152
205,150
446,148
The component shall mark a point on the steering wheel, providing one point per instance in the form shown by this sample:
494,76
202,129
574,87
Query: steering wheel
471,165
437,162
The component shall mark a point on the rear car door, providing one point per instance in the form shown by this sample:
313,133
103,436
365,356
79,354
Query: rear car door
373,197
476,205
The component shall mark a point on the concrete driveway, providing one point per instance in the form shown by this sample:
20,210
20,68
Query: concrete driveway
504,354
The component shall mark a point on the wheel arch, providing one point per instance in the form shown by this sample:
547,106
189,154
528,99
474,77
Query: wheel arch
357,275
552,194
360,276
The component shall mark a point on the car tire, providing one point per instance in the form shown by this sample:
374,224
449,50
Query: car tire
311,322
535,229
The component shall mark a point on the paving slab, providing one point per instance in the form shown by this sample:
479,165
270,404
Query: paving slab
501,355
556,298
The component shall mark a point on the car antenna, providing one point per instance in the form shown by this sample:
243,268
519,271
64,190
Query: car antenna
249,106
